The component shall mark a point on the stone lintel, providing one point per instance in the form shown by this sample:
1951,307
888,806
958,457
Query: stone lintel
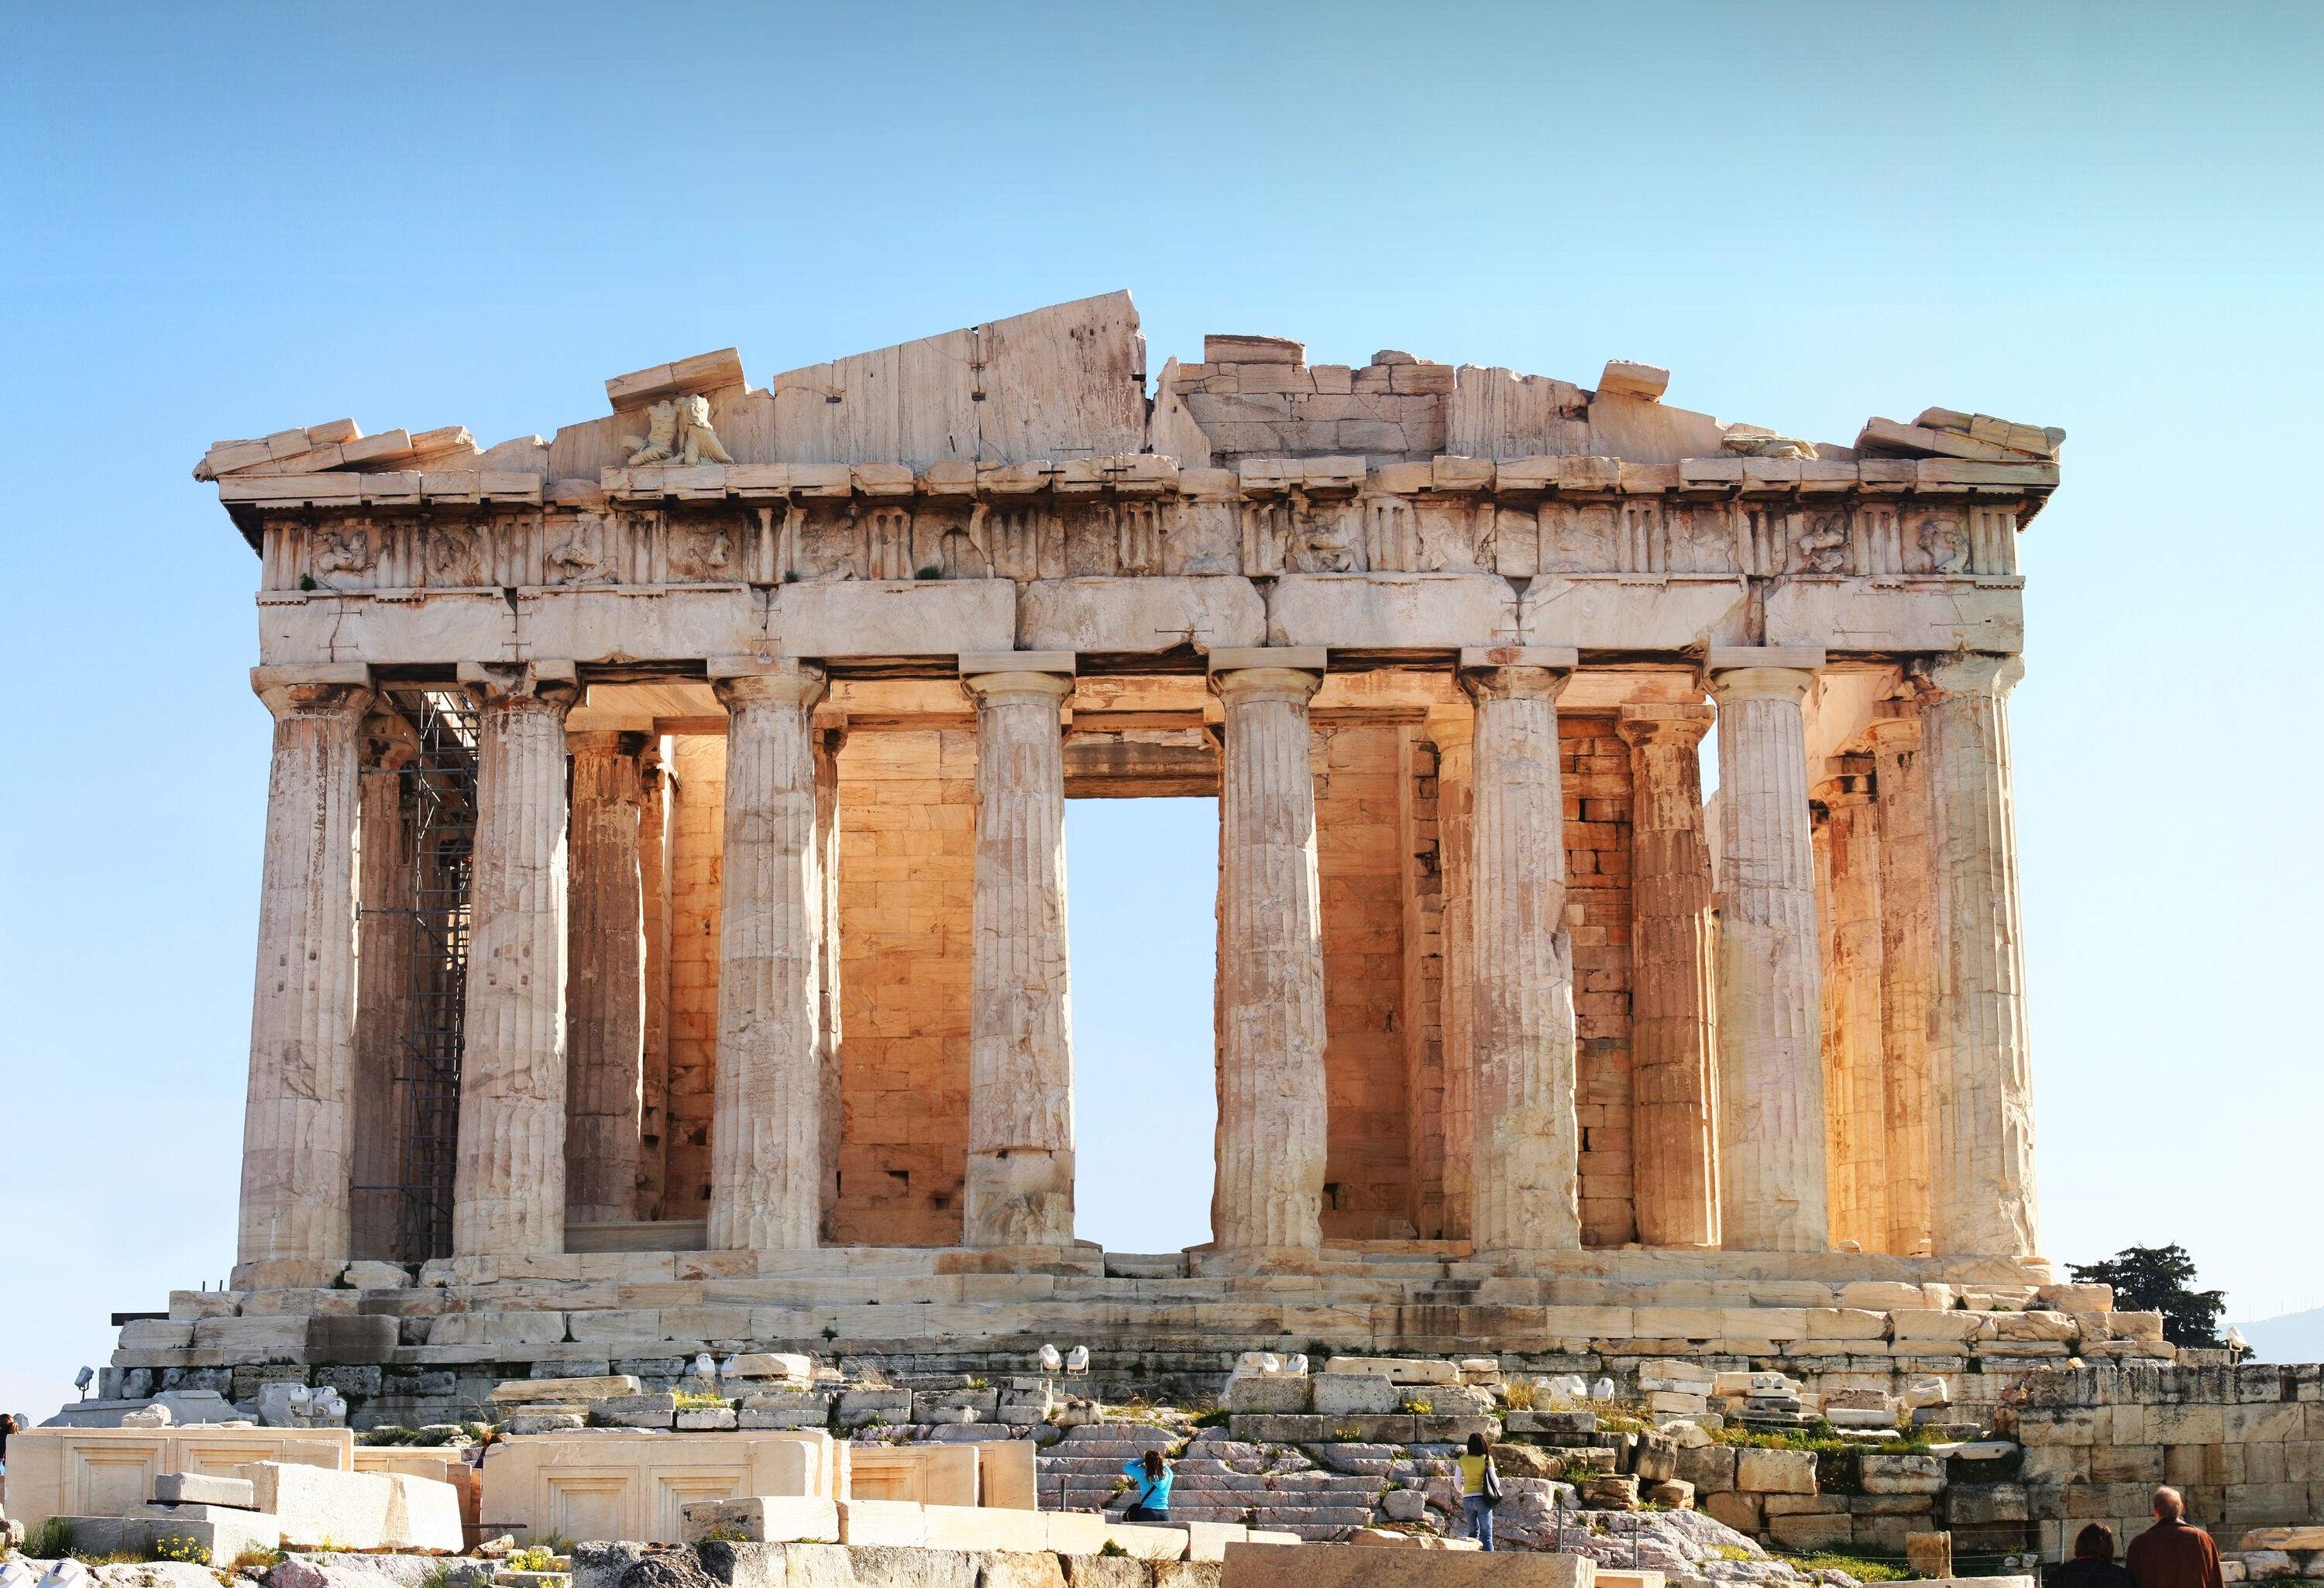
290,677
758,667
704,372
1805,659
1557,658
530,673
1309,659
973,662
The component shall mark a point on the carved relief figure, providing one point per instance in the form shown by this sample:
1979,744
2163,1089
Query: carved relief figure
695,440
1946,542
1326,541
452,557
701,554
659,443
581,558
341,552
1824,548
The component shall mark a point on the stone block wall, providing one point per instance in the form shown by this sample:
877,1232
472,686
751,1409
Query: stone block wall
907,883
1359,862
1258,396
1595,772
698,826
1423,991
2245,1444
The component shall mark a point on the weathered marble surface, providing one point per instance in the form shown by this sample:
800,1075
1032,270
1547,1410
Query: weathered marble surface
1268,1191
1771,1130
509,1192
1020,1104
766,1134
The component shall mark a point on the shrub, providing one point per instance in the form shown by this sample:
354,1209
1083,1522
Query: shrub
259,1557
51,1540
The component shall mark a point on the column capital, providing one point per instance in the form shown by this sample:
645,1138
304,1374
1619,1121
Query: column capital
1672,723
1893,734
1511,672
1767,671
1842,788
607,742
328,688
740,681
549,685
389,742
1969,672
991,687
1311,658
1295,681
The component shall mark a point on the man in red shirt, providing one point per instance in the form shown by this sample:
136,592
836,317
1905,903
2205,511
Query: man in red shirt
2171,1553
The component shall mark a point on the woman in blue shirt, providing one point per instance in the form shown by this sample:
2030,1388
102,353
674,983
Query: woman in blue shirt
1149,1477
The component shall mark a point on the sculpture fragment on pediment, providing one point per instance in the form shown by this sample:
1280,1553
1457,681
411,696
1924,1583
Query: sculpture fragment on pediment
678,430
1740,440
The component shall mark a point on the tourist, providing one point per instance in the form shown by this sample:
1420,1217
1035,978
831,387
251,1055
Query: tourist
1480,1490
1151,1477
7,1426
2093,1565
2171,1553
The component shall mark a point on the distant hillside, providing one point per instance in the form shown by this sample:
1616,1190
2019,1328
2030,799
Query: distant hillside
2296,1336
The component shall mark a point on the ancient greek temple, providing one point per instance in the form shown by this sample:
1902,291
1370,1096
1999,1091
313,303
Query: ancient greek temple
665,836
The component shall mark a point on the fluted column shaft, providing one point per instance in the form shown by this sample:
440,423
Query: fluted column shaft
1673,1040
1269,1190
605,980
1908,971
1020,1061
830,1055
1523,1184
297,1123
1771,1130
1455,739
1855,1100
766,1128
509,1188
385,938
1983,1194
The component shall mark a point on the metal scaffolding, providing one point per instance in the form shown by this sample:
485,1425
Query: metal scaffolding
440,783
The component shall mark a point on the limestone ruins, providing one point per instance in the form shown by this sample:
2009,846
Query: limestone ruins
662,1012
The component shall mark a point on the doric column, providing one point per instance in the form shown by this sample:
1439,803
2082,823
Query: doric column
1856,1098
1982,1170
384,938
1673,1040
604,984
766,1128
509,1192
297,1123
1456,850
1523,1190
1269,1191
653,1038
1771,1140
1021,1057
1908,970
832,1055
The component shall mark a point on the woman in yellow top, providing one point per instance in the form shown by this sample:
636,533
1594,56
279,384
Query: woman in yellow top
1480,1490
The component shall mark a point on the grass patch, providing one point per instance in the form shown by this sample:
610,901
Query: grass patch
539,1558
259,1557
51,1540
1863,1568
1216,1417
700,1400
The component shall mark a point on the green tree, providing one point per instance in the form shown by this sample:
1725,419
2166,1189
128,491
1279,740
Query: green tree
2159,1278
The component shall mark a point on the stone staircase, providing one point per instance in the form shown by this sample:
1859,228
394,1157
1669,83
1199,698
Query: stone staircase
1221,1480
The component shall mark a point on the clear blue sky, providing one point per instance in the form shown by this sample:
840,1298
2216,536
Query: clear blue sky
220,221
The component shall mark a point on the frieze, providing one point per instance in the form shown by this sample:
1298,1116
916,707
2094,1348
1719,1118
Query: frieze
1142,516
